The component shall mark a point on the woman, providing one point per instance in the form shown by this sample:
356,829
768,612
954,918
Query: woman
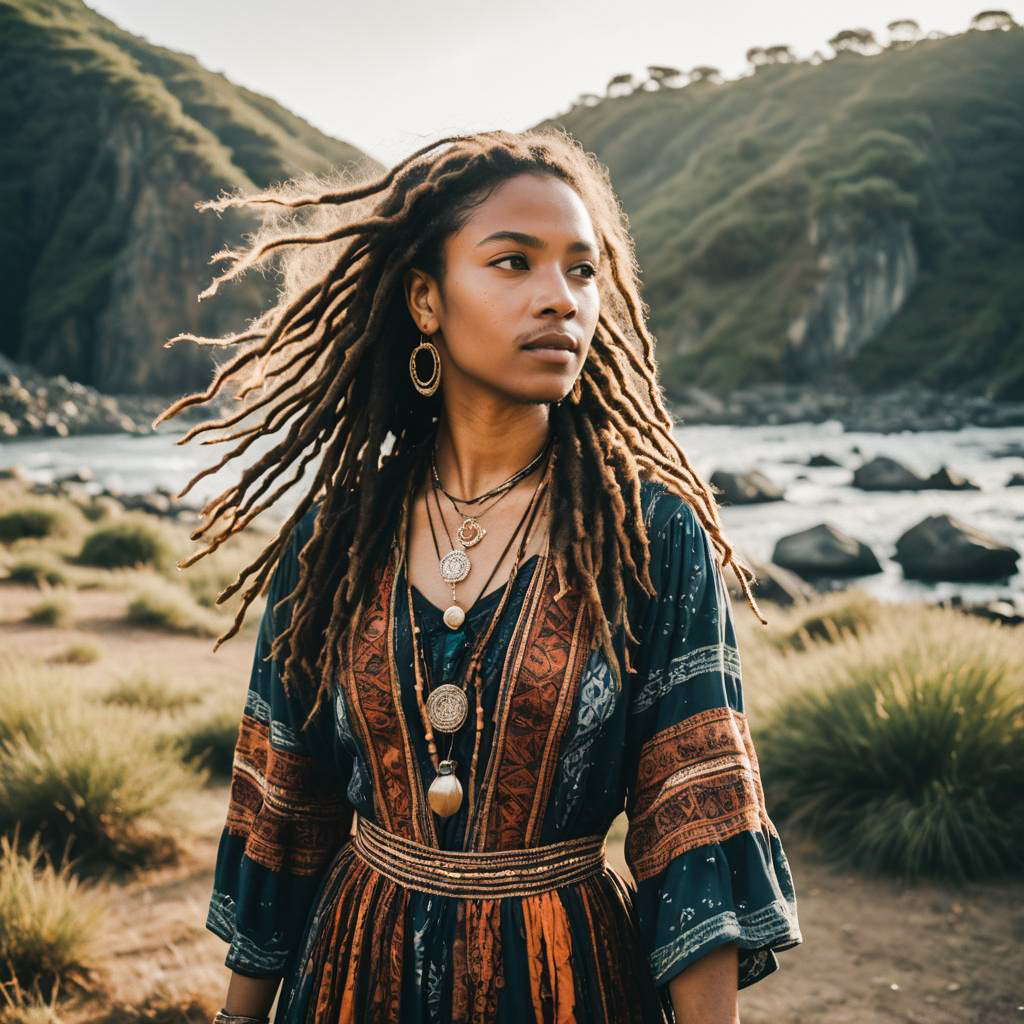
495,620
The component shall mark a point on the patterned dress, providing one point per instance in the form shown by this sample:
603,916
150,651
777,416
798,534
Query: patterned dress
564,750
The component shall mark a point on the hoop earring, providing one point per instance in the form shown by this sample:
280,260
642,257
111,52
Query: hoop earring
429,386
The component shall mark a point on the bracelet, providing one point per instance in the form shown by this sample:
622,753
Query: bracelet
223,1017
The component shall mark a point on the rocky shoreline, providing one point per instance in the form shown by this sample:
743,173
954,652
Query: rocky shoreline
33,405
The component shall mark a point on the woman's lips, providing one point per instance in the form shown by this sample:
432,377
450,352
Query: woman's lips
561,356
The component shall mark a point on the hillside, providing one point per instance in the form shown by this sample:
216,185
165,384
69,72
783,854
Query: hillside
106,143
863,217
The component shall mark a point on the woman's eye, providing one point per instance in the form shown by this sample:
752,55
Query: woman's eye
591,270
503,259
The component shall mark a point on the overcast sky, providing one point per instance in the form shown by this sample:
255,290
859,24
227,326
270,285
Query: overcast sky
391,76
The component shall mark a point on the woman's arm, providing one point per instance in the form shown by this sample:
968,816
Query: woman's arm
250,997
706,991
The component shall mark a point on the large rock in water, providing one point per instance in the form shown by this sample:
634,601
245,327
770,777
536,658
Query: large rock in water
745,488
884,474
946,479
825,551
943,547
774,584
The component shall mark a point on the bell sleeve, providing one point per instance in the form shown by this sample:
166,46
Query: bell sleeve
287,811
706,858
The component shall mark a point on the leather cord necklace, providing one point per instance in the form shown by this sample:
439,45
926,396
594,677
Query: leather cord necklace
446,707
471,532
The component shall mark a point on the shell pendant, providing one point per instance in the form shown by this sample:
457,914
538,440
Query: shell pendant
445,793
453,616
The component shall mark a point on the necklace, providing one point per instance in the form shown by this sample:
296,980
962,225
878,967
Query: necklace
455,566
445,792
471,532
514,479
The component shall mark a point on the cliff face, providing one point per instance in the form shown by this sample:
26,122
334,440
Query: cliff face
109,144
864,283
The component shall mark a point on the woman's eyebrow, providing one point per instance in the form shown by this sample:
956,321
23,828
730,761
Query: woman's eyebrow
534,242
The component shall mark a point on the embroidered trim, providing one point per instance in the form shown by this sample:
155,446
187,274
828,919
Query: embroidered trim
697,781
774,926
288,818
244,952
722,658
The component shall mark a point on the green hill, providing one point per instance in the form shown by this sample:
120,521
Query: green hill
858,218
106,142
863,216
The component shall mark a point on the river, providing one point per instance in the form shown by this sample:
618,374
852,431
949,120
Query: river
130,464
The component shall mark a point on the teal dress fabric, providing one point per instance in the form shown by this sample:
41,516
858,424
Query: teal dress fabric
670,747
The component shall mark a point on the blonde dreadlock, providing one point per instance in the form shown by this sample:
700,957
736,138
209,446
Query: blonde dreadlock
328,361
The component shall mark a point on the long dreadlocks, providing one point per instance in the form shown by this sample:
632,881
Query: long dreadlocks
325,366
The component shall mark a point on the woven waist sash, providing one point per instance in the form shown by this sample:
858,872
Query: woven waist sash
472,875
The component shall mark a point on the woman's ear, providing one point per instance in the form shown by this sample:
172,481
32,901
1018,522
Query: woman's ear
420,290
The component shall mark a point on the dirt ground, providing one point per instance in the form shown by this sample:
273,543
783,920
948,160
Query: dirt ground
874,951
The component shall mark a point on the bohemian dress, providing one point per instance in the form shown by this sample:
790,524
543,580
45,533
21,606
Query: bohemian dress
563,751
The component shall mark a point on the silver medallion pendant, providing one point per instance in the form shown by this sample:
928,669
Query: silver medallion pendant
470,532
455,566
447,708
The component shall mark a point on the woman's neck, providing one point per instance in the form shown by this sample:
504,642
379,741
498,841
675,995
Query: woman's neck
476,453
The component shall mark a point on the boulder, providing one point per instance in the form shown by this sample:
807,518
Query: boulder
943,547
823,550
744,488
774,584
884,474
946,479
821,459
1017,480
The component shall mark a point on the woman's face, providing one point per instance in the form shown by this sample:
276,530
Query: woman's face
521,267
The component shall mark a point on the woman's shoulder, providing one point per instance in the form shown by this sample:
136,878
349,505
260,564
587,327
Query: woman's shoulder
662,507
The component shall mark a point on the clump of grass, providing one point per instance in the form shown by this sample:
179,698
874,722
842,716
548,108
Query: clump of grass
29,1006
52,610
147,693
37,571
36,520
208,737
92,781
49,926
905,755
158,604
83,652
848,613
126,544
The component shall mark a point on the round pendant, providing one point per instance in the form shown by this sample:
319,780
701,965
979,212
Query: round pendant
445,793
447,708
470,532
455,566
453,616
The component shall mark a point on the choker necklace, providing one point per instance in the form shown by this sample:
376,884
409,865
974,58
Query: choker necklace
510,482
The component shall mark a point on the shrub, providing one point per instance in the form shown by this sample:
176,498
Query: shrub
37,571
54,610
82,653
909,760
848,613
49,921
95,784
147,693
209,738
34,520
157,604
125,544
